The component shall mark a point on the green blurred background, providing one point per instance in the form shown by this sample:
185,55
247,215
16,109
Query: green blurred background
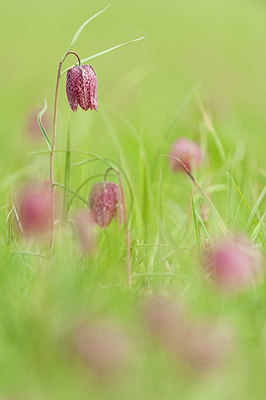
218,45
215,47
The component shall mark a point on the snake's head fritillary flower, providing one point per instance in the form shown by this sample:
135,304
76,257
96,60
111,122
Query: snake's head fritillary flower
82,88
233,263
188,152
35,209
105,203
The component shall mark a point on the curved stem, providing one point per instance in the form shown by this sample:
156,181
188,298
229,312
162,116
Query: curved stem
54,141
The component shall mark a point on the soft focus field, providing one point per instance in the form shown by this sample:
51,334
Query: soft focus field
214,51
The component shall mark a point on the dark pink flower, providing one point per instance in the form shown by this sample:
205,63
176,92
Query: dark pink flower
233,263
82,88
105,203
188,152
34,207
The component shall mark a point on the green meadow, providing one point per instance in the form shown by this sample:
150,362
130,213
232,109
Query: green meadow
200,72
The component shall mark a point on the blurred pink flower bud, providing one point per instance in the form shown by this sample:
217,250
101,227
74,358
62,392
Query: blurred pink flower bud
207,346
85,228
35,209
103,346
199,346
188,152
105,203
233,263
82,88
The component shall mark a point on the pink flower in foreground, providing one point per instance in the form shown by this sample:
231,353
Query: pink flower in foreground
233,263
34,207
103,346
188,152
200,346
82,88
105,203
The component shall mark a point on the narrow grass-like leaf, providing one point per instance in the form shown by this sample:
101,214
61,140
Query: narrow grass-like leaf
256,231
77,164
39,118
72,192
104,52
80,29
209,125
81,186
246,203
202,191
239,191
203,226
255,208
195,221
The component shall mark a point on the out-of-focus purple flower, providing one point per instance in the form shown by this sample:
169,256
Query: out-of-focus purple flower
103,346
85,228
233,263
188,152
82,88
105,203
35,208
198,345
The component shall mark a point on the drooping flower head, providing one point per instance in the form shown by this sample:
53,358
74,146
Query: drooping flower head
233,263
188,152
105,203
82,88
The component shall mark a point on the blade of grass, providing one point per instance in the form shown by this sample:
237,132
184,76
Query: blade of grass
80,29
72,192
104,52
209,125
239,191
256,231
203,226
255,208
39,119
202,191
245,202
195,221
